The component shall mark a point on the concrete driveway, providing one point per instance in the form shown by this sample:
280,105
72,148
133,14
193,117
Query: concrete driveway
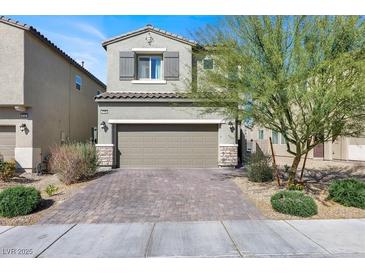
155,195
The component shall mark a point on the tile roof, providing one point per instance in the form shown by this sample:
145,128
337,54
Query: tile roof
149,28
40,36
140,95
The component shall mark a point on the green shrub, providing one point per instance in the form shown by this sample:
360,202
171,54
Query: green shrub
259,168
7,170
19,200
294,203
51,190
295,187
348,192
73,161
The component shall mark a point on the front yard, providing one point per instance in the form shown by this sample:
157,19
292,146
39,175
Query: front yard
260,193
63,193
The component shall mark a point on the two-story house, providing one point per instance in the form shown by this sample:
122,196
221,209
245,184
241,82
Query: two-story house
45,96
340,151
144,119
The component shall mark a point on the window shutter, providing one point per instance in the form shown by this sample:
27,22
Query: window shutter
171,65
127,65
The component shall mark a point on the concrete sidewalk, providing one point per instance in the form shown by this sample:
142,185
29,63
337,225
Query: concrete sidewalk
246,238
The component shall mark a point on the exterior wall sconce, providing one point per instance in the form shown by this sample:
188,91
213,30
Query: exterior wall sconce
23,127
231,126
103,126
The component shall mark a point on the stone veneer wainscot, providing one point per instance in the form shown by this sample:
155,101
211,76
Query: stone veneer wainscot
105,153
227,155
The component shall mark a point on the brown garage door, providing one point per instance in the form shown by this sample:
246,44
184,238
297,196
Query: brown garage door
182,146
7,142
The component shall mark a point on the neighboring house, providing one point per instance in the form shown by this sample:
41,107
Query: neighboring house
342,149
144,118
46,97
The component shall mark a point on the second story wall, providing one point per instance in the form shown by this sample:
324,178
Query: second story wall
114,50
11,65
60,110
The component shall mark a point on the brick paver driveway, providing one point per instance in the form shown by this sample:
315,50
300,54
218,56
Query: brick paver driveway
153,195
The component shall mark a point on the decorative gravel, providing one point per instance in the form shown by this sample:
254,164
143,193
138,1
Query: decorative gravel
260,193
40,182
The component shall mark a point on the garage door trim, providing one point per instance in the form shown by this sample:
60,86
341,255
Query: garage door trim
138,132
166,121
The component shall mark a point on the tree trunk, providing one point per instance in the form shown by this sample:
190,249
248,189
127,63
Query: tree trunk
293,169
302,172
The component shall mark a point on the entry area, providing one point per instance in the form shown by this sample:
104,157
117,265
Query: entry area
167,145
7,142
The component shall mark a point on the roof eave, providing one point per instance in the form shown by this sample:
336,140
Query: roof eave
44,39
141,31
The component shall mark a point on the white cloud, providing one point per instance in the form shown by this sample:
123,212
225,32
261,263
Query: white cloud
71,40
90,30
81,49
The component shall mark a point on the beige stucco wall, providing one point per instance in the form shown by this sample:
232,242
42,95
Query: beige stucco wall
158,111
57,105
139,41
339,150
11,65
36,76
25,155
10,117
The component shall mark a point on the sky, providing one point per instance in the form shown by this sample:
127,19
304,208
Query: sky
81,36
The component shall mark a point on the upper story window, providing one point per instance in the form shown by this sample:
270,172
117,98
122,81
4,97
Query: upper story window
282,140
208,63
78,82
278,138
146,66
98,92
261,134
149,68
275,137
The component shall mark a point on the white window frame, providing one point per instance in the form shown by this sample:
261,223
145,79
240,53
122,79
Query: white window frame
258,134
150,58
76,82
280,138
272,137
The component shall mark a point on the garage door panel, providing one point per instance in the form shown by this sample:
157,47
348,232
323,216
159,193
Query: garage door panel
7,142
168,145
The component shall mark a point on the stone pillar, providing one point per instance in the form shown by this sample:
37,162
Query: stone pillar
227,155
106,155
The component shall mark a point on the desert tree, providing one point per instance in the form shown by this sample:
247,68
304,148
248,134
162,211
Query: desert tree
301,76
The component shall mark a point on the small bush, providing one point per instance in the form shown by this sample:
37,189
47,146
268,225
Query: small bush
348,192
286,168
19,200
73,161
294,203
296,187
7,170
51,190
260,168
